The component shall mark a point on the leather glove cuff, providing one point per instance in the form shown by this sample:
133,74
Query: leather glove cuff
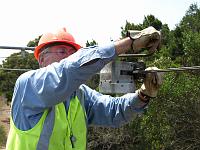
144,98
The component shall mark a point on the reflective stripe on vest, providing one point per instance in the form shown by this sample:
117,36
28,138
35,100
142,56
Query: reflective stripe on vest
59,139
47,130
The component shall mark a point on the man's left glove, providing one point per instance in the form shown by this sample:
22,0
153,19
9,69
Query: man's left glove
149,38
152,83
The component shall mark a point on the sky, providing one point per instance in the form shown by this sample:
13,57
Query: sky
25,20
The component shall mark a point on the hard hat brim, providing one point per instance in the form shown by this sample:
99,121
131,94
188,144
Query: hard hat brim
39,47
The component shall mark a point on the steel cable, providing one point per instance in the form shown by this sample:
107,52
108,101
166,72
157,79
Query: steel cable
168,70
10,69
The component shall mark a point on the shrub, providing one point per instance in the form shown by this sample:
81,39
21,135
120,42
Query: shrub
2,136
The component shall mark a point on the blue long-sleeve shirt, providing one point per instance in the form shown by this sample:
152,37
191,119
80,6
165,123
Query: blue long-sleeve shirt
43,88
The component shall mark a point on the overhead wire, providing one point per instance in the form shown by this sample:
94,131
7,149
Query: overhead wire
22,49
14,69
134,72
192,68
122,55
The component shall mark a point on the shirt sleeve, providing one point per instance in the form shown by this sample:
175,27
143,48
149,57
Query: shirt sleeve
56,82
105,110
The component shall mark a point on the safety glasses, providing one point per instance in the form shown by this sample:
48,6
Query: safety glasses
58,50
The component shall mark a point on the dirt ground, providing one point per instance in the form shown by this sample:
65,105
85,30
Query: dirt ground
4,117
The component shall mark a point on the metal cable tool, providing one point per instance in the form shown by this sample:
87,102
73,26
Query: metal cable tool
120,76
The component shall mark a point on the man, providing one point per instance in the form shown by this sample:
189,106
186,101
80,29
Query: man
51,106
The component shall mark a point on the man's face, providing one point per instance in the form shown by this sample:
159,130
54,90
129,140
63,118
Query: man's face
55,54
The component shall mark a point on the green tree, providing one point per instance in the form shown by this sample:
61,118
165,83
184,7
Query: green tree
151,20
34,42
8,78
190,22
191,49
93,42
16,61
190,27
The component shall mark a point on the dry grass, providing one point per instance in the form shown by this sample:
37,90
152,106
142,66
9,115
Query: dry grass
4,122
4,116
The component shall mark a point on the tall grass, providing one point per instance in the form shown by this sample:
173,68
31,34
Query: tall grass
2,136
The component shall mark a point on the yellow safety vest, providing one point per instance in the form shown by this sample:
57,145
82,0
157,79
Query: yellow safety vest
61,137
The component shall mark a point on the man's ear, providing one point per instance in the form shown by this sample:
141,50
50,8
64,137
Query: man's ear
41,60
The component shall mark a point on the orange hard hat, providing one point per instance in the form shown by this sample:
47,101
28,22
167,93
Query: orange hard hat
62,36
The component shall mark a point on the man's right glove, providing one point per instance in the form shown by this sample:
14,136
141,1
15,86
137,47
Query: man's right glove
148,38
152,83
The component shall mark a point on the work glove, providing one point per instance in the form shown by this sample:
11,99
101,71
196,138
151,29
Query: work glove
148,38
152,83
